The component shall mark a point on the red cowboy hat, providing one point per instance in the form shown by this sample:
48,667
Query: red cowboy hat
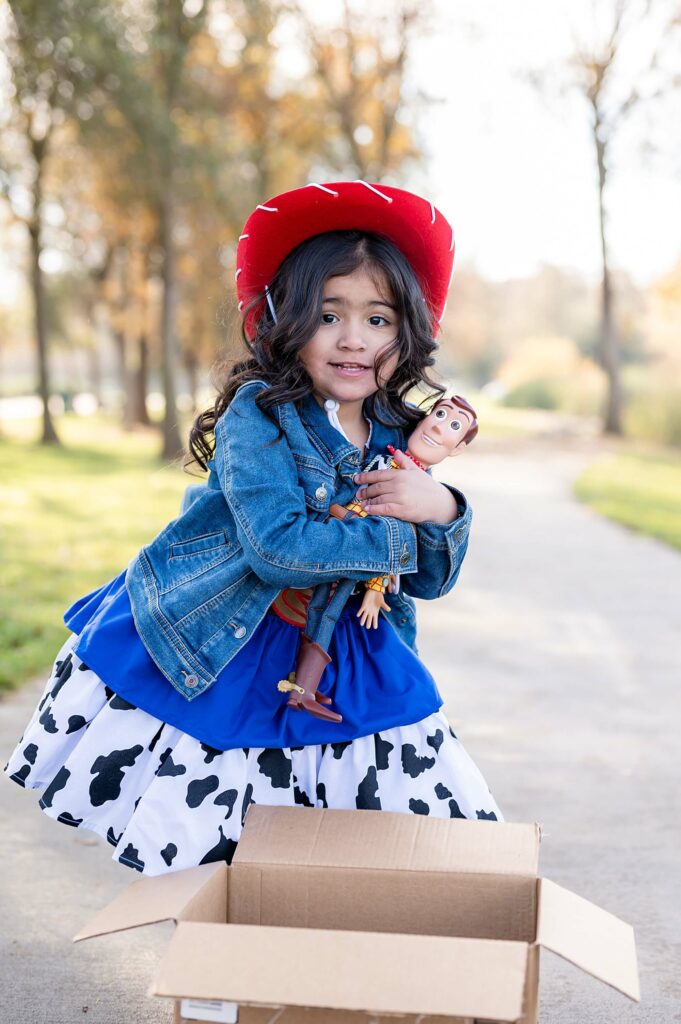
277,226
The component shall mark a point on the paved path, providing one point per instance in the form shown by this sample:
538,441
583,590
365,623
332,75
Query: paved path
564,635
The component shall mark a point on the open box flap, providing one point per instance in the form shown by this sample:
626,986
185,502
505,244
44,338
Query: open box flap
197,894
588,937
343,970
386,840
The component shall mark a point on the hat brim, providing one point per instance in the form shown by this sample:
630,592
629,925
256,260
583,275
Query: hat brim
413,224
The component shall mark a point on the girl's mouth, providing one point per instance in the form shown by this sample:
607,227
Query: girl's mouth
350,369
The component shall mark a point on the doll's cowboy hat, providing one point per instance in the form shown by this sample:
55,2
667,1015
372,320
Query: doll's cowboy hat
277,226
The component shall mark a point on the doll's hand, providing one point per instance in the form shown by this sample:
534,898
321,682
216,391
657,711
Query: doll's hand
412,496
371,605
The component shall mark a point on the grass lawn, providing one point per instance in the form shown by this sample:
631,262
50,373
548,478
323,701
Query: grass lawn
639,490
70,519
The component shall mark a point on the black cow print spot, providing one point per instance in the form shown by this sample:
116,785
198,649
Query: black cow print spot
436,741
83,667
455,810
412,764
321,794
227,799
131,858
58,782
247,801
452,733
21,776
199,789
383,748
441,791
64,670
111,836
68,819
418,806
76,722
339,749
246,751
296,748
108,692
277,767
156,738
300,796
210,752
223,850
47,721
108,772
366,799
486,815
121,704
31,752
169,853
168,766
44,701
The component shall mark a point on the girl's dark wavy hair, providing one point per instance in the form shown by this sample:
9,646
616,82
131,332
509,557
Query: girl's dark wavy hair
297,292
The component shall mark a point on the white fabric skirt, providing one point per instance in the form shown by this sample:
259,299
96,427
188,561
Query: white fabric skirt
166,801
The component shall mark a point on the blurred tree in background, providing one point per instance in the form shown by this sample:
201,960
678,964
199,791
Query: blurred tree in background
139,137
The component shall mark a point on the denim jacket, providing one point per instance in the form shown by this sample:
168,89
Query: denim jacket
202,586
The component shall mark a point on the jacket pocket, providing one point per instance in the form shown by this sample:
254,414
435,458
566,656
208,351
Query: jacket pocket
317,482
199,545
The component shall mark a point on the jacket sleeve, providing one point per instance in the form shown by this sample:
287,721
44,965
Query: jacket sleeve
440,550
259,478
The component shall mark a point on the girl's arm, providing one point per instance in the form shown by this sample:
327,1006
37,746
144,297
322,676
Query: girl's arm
259,478
441,550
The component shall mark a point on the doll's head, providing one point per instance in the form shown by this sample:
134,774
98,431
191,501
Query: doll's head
448,428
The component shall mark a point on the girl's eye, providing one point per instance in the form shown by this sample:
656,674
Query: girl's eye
378,321
455,424
440,414
329,318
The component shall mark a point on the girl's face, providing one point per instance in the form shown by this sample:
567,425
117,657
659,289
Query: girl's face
358,321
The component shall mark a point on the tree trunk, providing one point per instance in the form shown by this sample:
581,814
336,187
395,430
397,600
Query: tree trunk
609,346
172,444
49,434
140,383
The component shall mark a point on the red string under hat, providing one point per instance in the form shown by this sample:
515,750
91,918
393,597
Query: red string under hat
276,227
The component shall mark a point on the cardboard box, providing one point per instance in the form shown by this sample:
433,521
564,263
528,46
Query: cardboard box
337,917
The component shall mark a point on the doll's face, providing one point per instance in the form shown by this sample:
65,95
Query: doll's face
441,433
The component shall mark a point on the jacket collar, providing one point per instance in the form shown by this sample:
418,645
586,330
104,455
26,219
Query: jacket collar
331,442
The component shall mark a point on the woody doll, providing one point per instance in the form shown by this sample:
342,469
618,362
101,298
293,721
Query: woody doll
445,431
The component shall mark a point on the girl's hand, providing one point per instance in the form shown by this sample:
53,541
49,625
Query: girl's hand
412,496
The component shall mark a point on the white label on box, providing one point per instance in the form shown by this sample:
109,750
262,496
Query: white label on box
210,1009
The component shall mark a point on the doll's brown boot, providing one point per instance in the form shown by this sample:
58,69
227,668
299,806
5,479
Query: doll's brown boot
302,684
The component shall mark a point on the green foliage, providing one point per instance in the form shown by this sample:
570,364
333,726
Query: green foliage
638,490
70,519
533,394
655,415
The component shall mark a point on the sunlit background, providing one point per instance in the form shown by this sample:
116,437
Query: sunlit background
136,137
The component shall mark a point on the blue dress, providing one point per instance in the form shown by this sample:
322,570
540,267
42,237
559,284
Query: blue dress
375,680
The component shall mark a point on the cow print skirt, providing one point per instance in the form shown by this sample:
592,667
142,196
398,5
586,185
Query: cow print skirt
166,801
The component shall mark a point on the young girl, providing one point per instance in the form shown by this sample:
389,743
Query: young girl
162,721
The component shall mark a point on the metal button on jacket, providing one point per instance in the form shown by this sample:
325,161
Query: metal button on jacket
404,558
191,681
320,493
240,632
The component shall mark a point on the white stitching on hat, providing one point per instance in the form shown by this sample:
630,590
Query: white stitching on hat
242,237
270,303
451,248
432,211
240,305
444,310
239,269
314,184
358,181
268,209
451,277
